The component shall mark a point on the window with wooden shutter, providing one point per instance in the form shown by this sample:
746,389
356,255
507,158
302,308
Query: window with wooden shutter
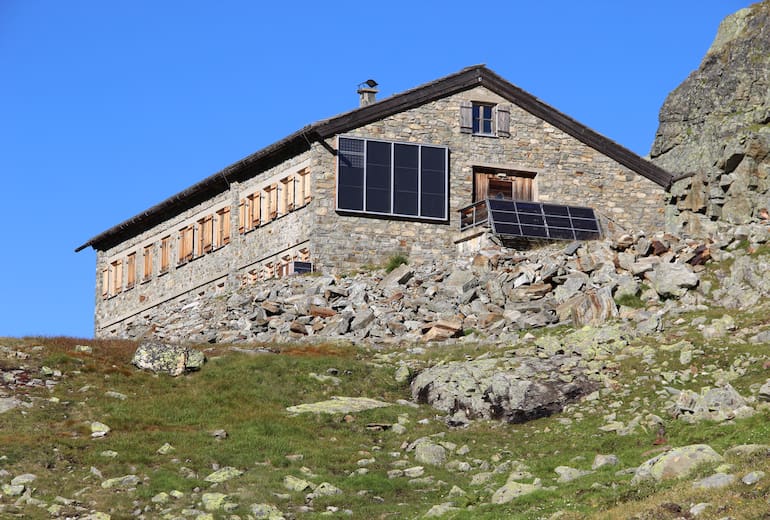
289,193
117,277
271,202
223,227
165,253
205,234
147,263
242,216
130,270
185,243
106,283
254,213
466,117
304,186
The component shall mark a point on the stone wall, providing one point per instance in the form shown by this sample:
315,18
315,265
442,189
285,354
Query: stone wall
223,269
567,172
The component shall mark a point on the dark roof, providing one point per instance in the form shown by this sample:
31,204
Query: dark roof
300,141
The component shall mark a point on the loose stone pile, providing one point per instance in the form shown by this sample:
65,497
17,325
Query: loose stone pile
496,293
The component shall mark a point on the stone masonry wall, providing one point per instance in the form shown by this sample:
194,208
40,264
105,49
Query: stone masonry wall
223,269
568,172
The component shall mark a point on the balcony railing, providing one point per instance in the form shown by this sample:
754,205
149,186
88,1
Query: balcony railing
477,214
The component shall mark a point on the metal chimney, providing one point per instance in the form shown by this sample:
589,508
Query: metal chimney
367,93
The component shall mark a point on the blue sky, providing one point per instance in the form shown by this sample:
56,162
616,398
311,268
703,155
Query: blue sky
110,107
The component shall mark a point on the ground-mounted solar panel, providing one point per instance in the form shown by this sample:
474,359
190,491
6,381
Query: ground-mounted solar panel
542,221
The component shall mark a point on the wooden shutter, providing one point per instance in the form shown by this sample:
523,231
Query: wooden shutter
117,276
147,263
466,117
504,120
242,216
205,234
522,188
481,181
165,253
105,283
131,270
223,227
255,209
305,194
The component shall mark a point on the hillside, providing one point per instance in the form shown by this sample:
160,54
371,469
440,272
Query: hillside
220,442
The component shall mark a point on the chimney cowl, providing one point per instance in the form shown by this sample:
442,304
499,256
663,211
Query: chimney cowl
367,92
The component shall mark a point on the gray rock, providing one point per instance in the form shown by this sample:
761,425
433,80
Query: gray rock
568,474
676,463
672,280
716,481
125,482
753,477
429,453
512,490
361,320
601,461
8,403
223,474
166,358
440,510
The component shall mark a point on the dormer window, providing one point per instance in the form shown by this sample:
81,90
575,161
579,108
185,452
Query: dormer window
485,119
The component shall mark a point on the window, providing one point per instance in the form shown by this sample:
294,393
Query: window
242,216
304,195
254,210
398,179
482,119
185,244
130,270
271,202
117,276
205,234
493,183
147,263
288,193
106,283
165,253
223,227
487,119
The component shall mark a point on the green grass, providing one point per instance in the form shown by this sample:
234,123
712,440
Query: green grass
247,396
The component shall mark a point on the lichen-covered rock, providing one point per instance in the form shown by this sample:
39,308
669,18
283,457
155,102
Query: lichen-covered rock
512,490
266,512
213,501
678,462
223,474
490,388
429,453
166,358
715,124
125,482
338,404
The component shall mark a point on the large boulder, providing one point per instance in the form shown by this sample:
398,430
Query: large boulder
676,463
166,358
715,125
500,389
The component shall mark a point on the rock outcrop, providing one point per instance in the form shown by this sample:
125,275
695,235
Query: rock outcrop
715,127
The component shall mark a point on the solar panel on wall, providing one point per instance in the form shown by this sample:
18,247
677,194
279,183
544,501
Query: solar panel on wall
542,221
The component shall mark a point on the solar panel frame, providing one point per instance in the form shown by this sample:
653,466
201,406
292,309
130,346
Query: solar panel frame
536,220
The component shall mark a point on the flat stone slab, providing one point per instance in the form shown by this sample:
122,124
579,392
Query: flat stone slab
338,404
